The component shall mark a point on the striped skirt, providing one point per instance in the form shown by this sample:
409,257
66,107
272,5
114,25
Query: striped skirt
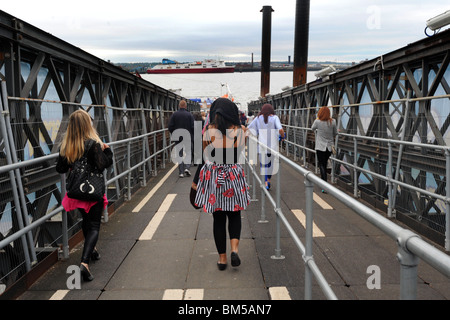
222,187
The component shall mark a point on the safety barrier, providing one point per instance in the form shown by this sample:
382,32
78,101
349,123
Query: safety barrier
401,96
25,232
411,247
33,234
395,164
45,79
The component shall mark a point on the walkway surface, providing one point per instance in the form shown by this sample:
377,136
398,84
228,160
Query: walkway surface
158,247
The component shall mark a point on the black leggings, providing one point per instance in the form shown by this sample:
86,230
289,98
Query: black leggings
219,228
91,228
322,159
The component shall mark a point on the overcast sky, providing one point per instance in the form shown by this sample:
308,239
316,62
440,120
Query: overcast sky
187,30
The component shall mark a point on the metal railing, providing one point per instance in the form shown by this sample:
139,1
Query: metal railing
402,95
392,163
47,79
410,247
24,231
133,171
407,179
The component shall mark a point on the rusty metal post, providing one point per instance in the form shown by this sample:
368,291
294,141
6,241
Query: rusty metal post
301,42
265,49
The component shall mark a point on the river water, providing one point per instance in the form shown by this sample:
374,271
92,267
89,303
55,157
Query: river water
244,86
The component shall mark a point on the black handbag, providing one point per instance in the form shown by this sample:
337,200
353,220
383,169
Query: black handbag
192,196
84,182
193,192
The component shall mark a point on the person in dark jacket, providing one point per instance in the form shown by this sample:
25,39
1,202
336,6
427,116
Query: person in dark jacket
182,119
79,131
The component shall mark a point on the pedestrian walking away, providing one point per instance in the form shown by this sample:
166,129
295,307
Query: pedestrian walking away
181,128
222,189
267,127
79,134
325,129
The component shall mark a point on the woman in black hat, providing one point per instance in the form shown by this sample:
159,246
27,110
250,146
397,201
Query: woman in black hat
222,189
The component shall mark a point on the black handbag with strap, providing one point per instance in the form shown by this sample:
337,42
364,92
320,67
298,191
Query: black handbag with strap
84,181
193,192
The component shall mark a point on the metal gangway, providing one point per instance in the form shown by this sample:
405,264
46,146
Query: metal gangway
45,79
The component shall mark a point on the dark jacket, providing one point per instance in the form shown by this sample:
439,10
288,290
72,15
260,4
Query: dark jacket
182,119
97,157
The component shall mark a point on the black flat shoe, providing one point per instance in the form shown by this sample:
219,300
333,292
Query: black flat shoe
235,261
95,255
85,274
221,266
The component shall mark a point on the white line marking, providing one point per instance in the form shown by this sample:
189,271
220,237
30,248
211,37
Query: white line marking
194,294
279,293
300,215
321,202
153,191
149,231
59,295
173,294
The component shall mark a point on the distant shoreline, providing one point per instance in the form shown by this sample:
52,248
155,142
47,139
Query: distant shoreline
258,69
142,67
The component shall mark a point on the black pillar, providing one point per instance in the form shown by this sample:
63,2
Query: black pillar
301,42
265,49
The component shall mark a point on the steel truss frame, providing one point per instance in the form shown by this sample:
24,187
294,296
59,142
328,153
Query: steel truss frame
371,100
43,75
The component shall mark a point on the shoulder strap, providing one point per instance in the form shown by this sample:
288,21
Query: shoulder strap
87,146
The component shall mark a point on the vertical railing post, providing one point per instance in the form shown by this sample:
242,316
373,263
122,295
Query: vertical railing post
278,254
144,148
316,163
262,187
105,210
64,227
305,133
309,189
163,156
253,166
408,267
250,159
389,174
333,175
155,158
355,171
129,171
114,165
447,203
263,204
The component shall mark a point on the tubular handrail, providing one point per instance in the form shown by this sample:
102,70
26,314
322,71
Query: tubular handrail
389,178
406,143
86,104
407,100
411,246
22,164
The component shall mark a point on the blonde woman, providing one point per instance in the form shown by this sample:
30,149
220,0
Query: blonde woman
79,132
